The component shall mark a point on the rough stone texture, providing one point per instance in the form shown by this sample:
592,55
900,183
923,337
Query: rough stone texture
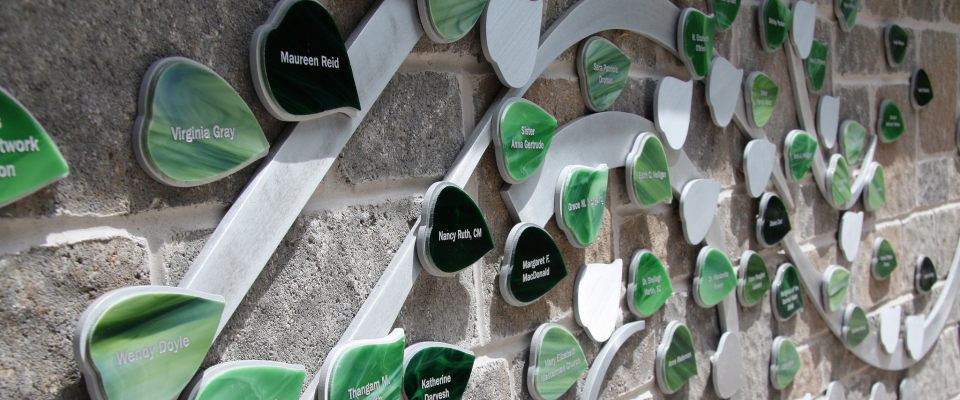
924,10
937,181
415,129
489,380
813,216
179,253
938,53
898,158
881,8
860,51
559,97
951,10
44,292
662,234
930,372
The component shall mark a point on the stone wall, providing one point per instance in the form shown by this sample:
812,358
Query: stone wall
77,65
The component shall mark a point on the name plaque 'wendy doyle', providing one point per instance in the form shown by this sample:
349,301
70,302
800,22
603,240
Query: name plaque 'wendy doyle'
817,65
695,37
649,284
890,125
434,370
145,342
787,293
775,22
785,363
556,362
856,327
300,67
454,233
926,275
846,11
29,160
753,279
853,137
773,224
834,290
676,359
714,277
724,12
761,92
580,199
603,71
648,174
192,128
533,265
446,21
364,370
525,132
249,380
799,150
921,89
884,260
897,40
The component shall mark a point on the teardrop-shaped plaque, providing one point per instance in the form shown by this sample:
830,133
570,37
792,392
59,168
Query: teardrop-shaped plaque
453,233
875,194
926,275
773,224
802,28
787,293
525,132
580,201
835,283
29,160
648,174
596,299
759,158
921,89
649,286
753,279
884,259
192,128
533,264
890,125
785,363
856,327
724,12
838,180
846,11
817,65
434,370
446,21
695,37
775,22
676,358
714,278
853,137
897,41
248,380
364,370
510,37
761,92
603,70
556,362
799,150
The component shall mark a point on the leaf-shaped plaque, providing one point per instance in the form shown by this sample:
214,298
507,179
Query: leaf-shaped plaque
787,293
695,37
248,380
835,283
533,264
524,132
753,279
454,233
434,370
603,71
29,160
775,23
714,278
761,92
648,174
649,286
556,362
785,363
676,358
580,201
446,21
773,223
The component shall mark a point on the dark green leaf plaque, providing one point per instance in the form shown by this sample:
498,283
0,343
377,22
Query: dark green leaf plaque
454,233
649,286
921,89
648,174
724,12
29,160
524,135
714,278
774,221
695,39
846,11
884,259
775,20
580,200
300,66
753,279
787,292
926,275
192,128
676,358
434,370
817,65
603,71
785,363
799,149
856,327
532,266
891,124
897,41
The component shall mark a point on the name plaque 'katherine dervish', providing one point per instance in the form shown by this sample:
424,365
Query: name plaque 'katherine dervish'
533,265
29,160
300,66
453,233
433,370
192,128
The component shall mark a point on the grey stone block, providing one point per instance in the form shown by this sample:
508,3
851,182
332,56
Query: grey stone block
951,10
924,10
179,253
855,105
559,97
932,373
737,215
489,380
44,292
936,180
813,215
898,158
414,130
637,98
717,152
881,8
860,51
757,327
938,121
485,90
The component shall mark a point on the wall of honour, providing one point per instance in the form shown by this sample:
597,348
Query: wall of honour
480,199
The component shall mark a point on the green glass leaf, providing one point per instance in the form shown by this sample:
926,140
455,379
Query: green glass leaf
754,279
193,128
367,370
649,286
787,292
29,160
921,88
835,283
846,11
897,41
853,137
557,361
450,20
455,233
526,132
603,71
535,266
926,275
676,358
725,12
250,380
891,124
149,341
582,196
774,222
884,259
761,97
786,362
856,327
775,20
838,179
714,278
800,147
817,64
302,68
648,179
875,194
436,371
696,41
